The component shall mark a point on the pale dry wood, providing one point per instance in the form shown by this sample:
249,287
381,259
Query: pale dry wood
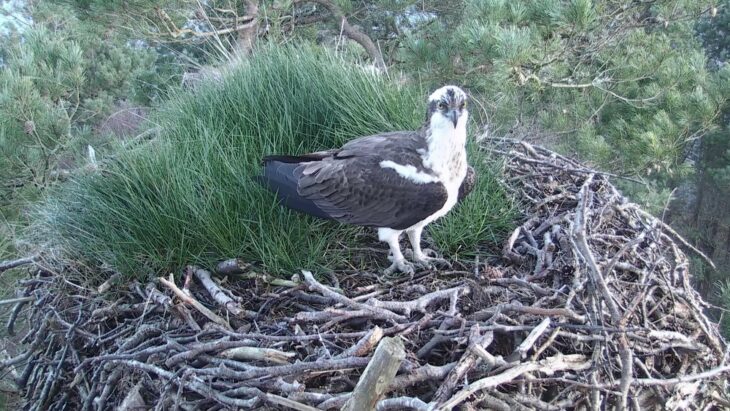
193,302
268,279
365,345
377,376
402,403
465,364
549,365
220,296
319,287
421,303
258,354
286,402
17,300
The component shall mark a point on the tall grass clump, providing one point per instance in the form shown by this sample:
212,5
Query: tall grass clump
188,196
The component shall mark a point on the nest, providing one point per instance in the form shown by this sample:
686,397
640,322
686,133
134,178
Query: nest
590,307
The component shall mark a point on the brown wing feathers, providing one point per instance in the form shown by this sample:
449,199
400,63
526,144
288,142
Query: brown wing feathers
354,189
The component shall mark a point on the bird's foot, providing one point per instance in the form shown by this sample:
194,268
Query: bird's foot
401,265
431,263
429,259
430,253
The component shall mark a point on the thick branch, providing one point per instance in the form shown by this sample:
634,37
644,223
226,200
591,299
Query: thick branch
351,31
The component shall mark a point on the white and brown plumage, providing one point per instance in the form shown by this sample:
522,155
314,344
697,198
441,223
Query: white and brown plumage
397,181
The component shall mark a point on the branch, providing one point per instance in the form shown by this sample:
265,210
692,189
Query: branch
377,376
351,31
7,265
195,303
575,362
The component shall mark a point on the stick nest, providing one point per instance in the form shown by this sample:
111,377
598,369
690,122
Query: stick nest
590,307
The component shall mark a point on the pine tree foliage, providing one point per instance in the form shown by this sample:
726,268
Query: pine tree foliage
58,82
609,77
708,222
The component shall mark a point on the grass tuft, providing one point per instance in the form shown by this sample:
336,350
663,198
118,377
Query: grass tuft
188,197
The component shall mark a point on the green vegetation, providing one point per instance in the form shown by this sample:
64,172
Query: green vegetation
188,197
58,87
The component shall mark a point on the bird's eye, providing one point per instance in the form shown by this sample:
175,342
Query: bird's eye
462,105
442,106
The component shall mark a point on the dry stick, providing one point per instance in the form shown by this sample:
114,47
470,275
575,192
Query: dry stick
157,297
289,403
465,364
195,385
675,235
421,374
366,343
319,287
419,304
677,380
258,354
508,249
532,337
17,300
402,403
195,303
337,315
377,375
573,362
216,292
277,282
578,233
192,352
107,285
7,265
547,312
285,370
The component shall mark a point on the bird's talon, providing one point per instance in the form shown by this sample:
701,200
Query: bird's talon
433,262
402,266
430,253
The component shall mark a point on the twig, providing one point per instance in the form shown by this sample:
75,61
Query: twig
7,265
195,303
549,365
465,364
17,300
216,292
365,344
286,402
421,303
317,286
402,403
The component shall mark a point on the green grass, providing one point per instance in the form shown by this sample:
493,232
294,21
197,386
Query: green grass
188,197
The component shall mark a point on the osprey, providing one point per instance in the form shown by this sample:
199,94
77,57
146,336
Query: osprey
397,181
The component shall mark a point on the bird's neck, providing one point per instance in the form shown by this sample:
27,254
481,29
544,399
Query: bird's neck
446,149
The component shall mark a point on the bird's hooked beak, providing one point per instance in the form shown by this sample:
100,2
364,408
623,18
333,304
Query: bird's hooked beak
453,115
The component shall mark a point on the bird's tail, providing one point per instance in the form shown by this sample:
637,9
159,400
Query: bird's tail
281,175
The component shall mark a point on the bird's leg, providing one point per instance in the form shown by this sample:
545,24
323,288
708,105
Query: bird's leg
399,262
419,256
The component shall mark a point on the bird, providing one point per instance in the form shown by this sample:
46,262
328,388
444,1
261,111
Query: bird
395,182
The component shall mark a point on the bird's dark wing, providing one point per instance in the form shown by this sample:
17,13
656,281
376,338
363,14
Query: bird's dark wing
356,190
281,176
468,184
350,186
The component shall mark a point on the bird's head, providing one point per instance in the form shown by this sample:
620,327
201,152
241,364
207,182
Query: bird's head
447,108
